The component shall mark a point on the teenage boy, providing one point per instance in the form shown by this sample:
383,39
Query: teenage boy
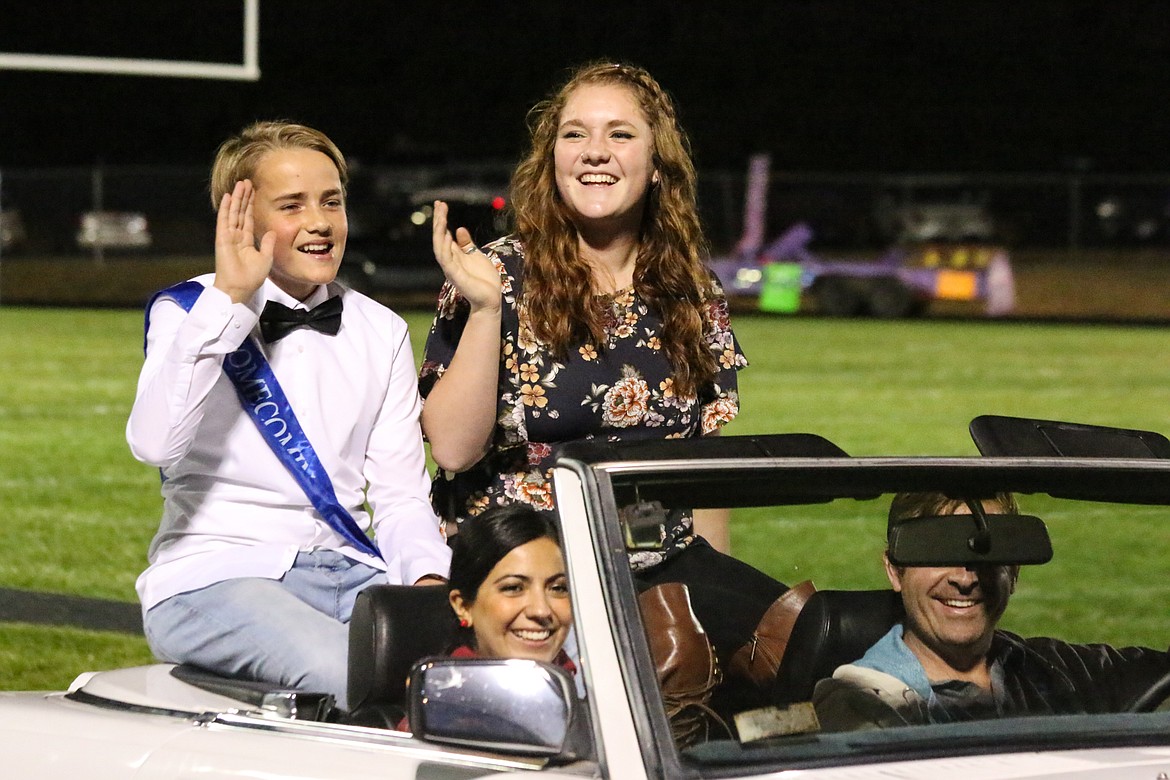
282,410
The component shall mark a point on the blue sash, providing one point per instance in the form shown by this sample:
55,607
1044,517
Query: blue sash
265,402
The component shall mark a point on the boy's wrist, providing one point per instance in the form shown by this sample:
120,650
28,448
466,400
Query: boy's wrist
237,294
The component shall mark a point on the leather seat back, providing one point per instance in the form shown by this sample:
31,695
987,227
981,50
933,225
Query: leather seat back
393,627
835,627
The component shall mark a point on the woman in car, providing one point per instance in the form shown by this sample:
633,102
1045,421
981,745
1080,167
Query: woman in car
508,588
596,318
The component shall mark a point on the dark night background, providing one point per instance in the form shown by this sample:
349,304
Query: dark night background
825,86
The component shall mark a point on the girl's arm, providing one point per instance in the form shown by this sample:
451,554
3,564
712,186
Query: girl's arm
460,410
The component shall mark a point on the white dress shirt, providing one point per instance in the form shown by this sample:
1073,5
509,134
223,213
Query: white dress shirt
230,508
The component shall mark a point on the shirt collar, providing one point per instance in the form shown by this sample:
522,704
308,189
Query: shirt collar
271,292
891,655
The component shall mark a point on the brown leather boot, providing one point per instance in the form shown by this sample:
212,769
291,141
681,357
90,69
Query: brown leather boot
684,659
759,660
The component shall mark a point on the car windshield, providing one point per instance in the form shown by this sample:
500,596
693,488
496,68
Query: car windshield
1057,685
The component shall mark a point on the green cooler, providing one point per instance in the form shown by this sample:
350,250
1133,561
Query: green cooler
780,291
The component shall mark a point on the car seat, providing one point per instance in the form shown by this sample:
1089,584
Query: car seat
393,627
835,627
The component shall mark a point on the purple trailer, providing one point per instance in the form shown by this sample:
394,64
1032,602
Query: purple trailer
902,282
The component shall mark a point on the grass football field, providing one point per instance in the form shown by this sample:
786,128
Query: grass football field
78,512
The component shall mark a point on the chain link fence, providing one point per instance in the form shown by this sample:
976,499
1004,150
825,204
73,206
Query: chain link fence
43,209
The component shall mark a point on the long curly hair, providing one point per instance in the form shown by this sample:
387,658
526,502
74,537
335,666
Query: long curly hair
670,271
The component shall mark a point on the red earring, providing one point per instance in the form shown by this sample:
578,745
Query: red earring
463,623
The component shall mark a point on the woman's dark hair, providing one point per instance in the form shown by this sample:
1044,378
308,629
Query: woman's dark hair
485,540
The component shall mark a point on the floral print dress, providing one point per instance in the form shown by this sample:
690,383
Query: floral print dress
621,390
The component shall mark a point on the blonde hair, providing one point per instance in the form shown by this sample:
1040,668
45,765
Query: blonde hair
670,272
238,157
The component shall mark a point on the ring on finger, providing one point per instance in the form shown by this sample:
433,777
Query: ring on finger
468,249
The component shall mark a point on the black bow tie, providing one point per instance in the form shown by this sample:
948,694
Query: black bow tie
278,320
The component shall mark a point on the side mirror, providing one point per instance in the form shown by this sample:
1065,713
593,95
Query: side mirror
970,540
505,705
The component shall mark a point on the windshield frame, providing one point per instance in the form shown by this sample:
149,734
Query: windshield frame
619,476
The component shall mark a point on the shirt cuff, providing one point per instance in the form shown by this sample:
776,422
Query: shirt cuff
437,563
220,324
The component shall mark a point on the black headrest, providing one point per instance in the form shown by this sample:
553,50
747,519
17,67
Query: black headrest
835,627
392,627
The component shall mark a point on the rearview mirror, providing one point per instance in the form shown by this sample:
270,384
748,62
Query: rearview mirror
968,540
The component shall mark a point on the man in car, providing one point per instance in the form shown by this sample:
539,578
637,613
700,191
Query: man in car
946,661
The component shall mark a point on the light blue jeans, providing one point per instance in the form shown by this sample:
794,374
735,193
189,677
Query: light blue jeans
293,631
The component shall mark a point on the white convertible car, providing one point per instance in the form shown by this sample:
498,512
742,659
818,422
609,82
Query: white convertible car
475,718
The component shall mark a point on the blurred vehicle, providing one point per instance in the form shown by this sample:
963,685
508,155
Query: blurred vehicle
952,222
12,233
114,230
902,282
391,251
943,252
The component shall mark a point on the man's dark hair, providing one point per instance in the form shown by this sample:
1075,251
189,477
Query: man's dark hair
484,541
907,506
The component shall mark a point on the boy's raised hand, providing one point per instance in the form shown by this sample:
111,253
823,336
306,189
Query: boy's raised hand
240,267
470,270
